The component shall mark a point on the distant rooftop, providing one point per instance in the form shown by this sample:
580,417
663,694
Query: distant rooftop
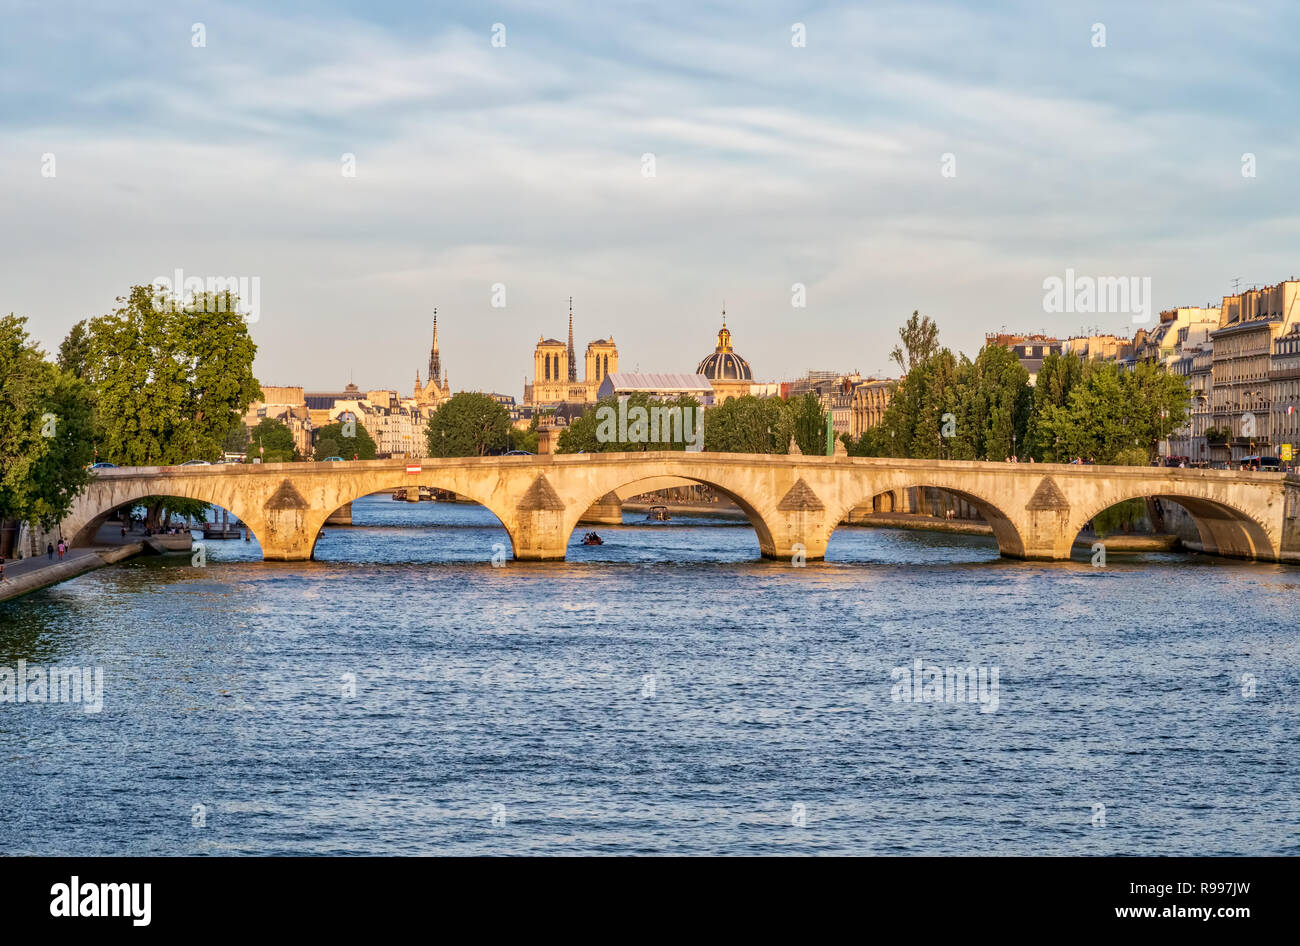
628,381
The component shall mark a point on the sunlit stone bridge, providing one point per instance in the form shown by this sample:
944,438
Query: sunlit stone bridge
794,502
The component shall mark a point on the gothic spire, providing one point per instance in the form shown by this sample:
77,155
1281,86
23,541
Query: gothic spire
573,359
435,360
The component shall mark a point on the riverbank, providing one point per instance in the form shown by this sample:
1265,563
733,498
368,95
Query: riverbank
32,574
719,510
1116,542
888,520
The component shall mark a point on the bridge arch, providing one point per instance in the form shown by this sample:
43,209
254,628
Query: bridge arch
390,481
1010,542
87,517
1224,528
625,484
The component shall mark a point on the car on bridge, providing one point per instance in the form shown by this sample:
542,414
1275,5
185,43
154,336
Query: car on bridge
333,460
102,465
518,453
196,463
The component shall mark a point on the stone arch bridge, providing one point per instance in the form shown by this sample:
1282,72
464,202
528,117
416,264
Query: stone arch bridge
794,502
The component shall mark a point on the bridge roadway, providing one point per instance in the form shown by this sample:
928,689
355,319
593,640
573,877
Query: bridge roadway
794,502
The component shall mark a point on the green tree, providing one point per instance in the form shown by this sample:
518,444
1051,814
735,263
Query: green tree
870,444
45,431
920,336
169,382
272,440
914,424
591,433
237,440
749,425
1057,376
809,422
62,469
331,442
74,351
1157,403
525,440
1109,411
468,425
160,510
994,404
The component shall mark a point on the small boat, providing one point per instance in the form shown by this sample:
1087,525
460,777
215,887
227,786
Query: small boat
592,539
399,494
658,514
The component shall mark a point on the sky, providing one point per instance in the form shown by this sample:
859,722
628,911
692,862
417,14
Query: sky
940,157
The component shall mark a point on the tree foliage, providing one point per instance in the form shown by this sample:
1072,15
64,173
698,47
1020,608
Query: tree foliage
1109,411
949,407
169,381
809,421
920,337
331,442
468,425
585,435
74,351
272,440
749,425
45,431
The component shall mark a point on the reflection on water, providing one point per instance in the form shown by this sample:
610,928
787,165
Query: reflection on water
667,691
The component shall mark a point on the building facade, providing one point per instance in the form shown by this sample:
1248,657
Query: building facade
869,402
555,370
1285,378
1242,367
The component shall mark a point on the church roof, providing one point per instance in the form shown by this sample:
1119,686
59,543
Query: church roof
628,381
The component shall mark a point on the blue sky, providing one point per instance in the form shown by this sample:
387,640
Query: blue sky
522,165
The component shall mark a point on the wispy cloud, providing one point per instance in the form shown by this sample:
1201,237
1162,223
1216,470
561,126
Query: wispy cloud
523,165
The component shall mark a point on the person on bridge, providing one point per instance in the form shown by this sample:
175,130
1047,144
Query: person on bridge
49,551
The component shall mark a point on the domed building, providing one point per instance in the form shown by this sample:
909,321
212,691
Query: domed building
726,370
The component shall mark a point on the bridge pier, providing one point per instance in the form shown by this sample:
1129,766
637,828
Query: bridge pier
539,533
798,529
607,511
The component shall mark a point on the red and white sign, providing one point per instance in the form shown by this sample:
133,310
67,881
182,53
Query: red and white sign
413,468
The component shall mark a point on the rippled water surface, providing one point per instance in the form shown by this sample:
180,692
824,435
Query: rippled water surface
665,692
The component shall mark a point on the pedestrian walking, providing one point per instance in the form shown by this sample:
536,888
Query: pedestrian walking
49,551
63,547
2,569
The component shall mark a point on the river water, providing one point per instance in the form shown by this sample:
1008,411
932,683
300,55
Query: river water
665,692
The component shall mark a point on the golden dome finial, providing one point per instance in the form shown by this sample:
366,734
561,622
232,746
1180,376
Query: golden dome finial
724,334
